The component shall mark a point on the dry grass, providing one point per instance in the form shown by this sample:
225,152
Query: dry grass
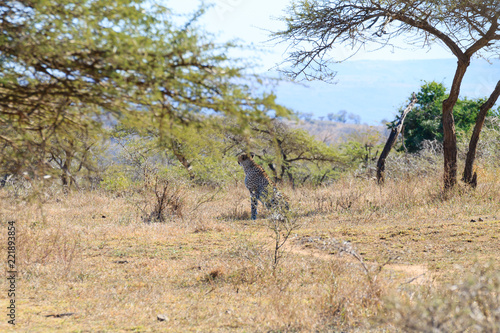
362,251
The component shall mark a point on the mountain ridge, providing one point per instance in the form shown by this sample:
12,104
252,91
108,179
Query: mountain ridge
376,89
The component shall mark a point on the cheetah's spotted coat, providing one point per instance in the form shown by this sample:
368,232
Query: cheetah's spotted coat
261,187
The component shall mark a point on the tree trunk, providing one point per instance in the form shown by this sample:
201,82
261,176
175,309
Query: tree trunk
467,177
66,178
449,135
290,178
282,173
273,170
177,150
392,140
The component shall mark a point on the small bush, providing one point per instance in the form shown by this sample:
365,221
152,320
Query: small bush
116,179
161,198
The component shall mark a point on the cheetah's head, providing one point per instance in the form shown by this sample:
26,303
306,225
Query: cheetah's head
243,157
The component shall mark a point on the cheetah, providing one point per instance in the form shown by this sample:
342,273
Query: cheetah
261,187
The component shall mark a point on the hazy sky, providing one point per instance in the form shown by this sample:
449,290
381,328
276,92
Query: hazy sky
250,21
373,90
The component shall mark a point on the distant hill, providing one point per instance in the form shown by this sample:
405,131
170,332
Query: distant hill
333,132
375,90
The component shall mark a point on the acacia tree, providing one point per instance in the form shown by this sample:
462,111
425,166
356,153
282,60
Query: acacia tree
287,151
68,65
466,27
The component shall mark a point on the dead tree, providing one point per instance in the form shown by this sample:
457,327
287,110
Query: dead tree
392,140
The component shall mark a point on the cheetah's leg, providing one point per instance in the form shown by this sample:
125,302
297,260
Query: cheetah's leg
254,201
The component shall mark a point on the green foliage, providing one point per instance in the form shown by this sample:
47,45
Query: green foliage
115,179
207,155
293,153
361,148
202,154
67,68
424,121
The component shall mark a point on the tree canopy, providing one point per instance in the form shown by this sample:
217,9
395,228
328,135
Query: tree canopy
424,121
69,67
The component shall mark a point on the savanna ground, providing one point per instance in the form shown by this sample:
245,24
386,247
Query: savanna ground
402,257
